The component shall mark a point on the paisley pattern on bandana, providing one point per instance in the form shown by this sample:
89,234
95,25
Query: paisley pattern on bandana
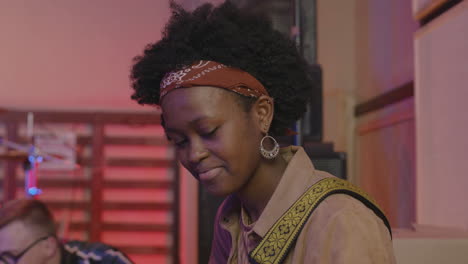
210,73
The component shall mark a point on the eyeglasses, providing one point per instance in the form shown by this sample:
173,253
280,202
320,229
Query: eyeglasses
9,258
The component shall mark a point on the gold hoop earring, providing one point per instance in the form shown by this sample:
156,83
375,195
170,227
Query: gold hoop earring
269,154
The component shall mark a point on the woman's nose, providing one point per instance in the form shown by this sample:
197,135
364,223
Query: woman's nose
197,152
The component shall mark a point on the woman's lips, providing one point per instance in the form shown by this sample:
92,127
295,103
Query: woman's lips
209,175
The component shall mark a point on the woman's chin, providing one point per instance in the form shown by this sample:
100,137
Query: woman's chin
217,191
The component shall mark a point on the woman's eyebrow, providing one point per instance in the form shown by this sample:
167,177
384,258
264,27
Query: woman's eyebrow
199,119
194,122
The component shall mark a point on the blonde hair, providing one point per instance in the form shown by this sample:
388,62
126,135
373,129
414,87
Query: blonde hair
33,213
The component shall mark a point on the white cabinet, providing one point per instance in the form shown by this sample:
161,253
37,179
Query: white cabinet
441,102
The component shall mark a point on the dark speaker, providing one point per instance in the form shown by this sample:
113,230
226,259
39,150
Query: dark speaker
326,159
207,207
335,165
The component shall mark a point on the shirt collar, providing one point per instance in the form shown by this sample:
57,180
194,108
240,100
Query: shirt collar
297,178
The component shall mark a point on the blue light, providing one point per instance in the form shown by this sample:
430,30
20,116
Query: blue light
40,159
31,158
33,191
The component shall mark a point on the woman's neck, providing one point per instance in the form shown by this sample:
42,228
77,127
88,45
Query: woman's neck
259,189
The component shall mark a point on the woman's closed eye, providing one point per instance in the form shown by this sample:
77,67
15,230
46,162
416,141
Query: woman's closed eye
210,133
183,141
180,143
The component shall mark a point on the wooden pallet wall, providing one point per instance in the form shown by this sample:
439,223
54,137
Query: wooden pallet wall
124,193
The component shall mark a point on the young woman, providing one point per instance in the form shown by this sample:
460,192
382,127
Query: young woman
227,84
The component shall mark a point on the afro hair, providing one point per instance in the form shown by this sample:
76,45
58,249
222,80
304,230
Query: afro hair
234,37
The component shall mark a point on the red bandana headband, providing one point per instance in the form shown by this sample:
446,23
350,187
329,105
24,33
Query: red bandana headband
210,73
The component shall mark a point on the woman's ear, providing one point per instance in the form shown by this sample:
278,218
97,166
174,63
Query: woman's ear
264,111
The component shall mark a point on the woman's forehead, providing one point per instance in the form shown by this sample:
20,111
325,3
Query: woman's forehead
185,105
204,98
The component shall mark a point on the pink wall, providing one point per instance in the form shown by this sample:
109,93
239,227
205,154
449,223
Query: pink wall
384,139
73,54
76,55
384,46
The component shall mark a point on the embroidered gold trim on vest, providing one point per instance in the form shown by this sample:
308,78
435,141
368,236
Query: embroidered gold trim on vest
275,245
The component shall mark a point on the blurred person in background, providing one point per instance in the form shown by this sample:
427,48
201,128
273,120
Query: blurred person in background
28,236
